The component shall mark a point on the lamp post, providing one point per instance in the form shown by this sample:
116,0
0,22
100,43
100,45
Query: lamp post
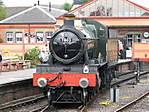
26,35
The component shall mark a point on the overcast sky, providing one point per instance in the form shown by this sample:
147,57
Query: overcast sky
144,3
32,2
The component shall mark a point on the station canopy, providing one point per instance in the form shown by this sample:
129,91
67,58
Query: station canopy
110,8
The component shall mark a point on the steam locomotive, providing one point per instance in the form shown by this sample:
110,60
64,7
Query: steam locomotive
79,64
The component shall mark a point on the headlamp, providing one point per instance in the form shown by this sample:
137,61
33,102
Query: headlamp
84,82
42,82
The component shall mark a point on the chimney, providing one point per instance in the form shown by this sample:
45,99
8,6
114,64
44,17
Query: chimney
38,2
50,7
69,19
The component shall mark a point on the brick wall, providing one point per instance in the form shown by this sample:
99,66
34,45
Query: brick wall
25,28
17,48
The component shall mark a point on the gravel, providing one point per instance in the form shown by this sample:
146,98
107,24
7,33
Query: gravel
127,93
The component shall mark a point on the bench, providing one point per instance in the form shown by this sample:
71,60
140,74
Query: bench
26,64
9,63
4,66
13,63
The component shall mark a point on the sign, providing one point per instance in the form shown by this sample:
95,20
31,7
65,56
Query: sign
128,53
145,40
146,34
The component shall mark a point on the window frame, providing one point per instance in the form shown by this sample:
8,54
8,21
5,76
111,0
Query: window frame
17,37
42,37
133,38
8,37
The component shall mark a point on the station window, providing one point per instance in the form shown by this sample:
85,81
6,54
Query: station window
18,36
133,38
40,37
9,37
138,37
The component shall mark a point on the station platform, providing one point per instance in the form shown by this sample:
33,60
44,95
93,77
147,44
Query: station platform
120,62
124,60
14,76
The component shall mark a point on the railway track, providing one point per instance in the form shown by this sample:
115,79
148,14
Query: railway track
122,79
85,108
17,90
80,108
23,104
41,109
54,109
125,77
123,109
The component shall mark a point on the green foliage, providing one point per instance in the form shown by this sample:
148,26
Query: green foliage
67,6
2,11
80,1
1,40
19,56
83,1
32,55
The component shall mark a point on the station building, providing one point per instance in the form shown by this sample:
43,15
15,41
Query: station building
126,21
27,29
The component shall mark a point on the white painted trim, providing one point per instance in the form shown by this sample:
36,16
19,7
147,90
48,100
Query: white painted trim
46,13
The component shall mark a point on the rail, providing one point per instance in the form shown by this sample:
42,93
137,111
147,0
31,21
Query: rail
125,77
131,103
123,80
21,103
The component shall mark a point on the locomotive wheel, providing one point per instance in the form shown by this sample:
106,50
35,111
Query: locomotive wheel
85,100
109,78
84,97
91,94
49,97
98,86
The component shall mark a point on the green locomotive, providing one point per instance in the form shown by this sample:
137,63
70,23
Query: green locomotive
79,63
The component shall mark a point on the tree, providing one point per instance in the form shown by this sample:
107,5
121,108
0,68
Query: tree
79,1
2,11
33,55
67,6
83,1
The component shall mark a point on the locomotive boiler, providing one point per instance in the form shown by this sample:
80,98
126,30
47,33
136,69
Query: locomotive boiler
78,64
